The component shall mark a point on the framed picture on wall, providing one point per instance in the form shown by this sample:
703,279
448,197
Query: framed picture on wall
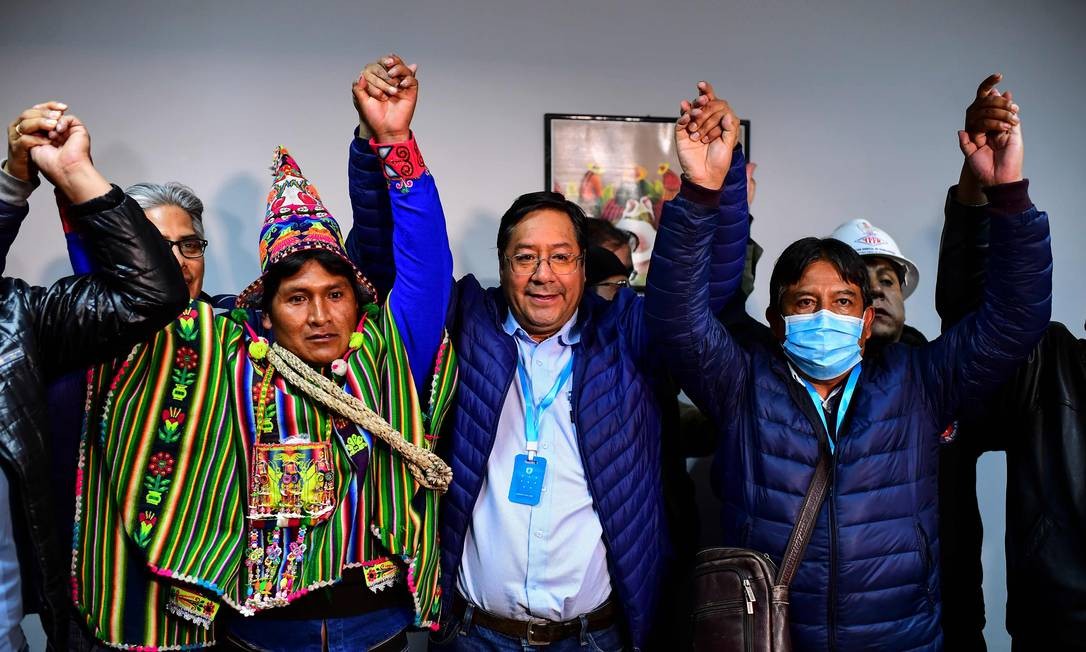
617,168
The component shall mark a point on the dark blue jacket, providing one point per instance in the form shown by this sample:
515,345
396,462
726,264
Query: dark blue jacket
870,577
616,378
617,420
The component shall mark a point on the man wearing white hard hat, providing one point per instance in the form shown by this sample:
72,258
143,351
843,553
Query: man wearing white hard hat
893,278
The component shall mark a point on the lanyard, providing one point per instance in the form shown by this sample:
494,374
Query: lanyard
842,406
533,412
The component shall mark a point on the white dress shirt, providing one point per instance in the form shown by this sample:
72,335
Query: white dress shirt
548,560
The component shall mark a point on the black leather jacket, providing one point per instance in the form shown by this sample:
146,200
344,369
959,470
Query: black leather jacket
74,323
1038,418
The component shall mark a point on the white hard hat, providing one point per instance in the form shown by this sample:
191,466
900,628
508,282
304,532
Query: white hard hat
869,240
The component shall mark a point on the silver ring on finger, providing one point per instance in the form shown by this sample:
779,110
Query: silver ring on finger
18,129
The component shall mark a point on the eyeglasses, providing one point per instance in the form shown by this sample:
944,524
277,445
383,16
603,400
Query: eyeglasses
528,264
618,285
189,247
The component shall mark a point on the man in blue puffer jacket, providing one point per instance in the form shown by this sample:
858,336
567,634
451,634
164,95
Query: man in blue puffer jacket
577,559
870,576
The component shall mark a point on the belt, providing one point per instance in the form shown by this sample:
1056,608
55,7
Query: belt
536,631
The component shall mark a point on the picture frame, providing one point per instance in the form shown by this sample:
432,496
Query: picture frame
618,168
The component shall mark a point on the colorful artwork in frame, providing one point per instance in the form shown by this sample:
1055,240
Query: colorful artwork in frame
618,168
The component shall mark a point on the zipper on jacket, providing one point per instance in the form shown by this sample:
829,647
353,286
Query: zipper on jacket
831,611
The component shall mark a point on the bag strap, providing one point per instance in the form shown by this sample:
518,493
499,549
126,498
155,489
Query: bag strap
808,516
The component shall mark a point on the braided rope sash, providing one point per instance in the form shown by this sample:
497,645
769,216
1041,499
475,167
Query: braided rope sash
428,469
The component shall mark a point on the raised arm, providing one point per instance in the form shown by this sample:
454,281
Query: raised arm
138,287
420,244
963,249
19,176
369,243
981,351
708,364
728,251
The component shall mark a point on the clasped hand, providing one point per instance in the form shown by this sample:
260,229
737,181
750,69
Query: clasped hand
705,136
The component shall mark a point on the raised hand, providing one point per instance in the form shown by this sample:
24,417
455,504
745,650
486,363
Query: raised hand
706,112
385,96
992,138
29,130
66,161
704,142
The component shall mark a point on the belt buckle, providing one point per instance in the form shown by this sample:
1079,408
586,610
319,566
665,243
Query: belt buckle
532,623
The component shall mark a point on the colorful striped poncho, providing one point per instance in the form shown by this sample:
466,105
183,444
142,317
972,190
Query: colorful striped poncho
161,535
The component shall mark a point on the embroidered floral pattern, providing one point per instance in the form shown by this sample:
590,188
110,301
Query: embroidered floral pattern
186,325
163,461
268,584
186,358
147,521
161,464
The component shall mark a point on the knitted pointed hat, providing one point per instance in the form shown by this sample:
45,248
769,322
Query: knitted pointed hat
296,221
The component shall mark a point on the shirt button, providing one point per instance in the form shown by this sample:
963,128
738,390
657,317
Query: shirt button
546,445
539,534
539,363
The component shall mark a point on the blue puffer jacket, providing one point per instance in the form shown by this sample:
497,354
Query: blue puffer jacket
617,422
616,377
870,577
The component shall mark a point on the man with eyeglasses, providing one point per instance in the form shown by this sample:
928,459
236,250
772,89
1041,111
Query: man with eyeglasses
553,530
46,331
608,262
177,213
557,527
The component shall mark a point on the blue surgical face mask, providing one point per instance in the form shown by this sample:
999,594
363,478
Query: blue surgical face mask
823,345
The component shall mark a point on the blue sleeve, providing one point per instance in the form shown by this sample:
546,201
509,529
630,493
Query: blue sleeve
975,356
423,278
729,248
77,251
369,242
11,218
77,254
708,364
13,209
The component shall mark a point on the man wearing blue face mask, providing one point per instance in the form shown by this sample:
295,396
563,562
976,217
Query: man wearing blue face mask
869,578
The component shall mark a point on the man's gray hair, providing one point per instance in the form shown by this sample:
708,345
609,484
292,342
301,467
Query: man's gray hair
153,195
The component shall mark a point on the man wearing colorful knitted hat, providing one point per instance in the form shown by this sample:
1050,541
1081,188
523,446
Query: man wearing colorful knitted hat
289,477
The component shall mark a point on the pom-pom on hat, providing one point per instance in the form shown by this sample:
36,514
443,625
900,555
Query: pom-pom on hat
296,220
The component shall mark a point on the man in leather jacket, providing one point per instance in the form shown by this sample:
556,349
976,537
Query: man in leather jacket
73,323
1037,419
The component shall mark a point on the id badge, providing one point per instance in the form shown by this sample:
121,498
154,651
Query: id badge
527,485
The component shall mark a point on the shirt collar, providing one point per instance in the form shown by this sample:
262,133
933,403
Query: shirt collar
833,392
568,335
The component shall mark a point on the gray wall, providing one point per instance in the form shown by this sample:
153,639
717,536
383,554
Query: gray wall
854,108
